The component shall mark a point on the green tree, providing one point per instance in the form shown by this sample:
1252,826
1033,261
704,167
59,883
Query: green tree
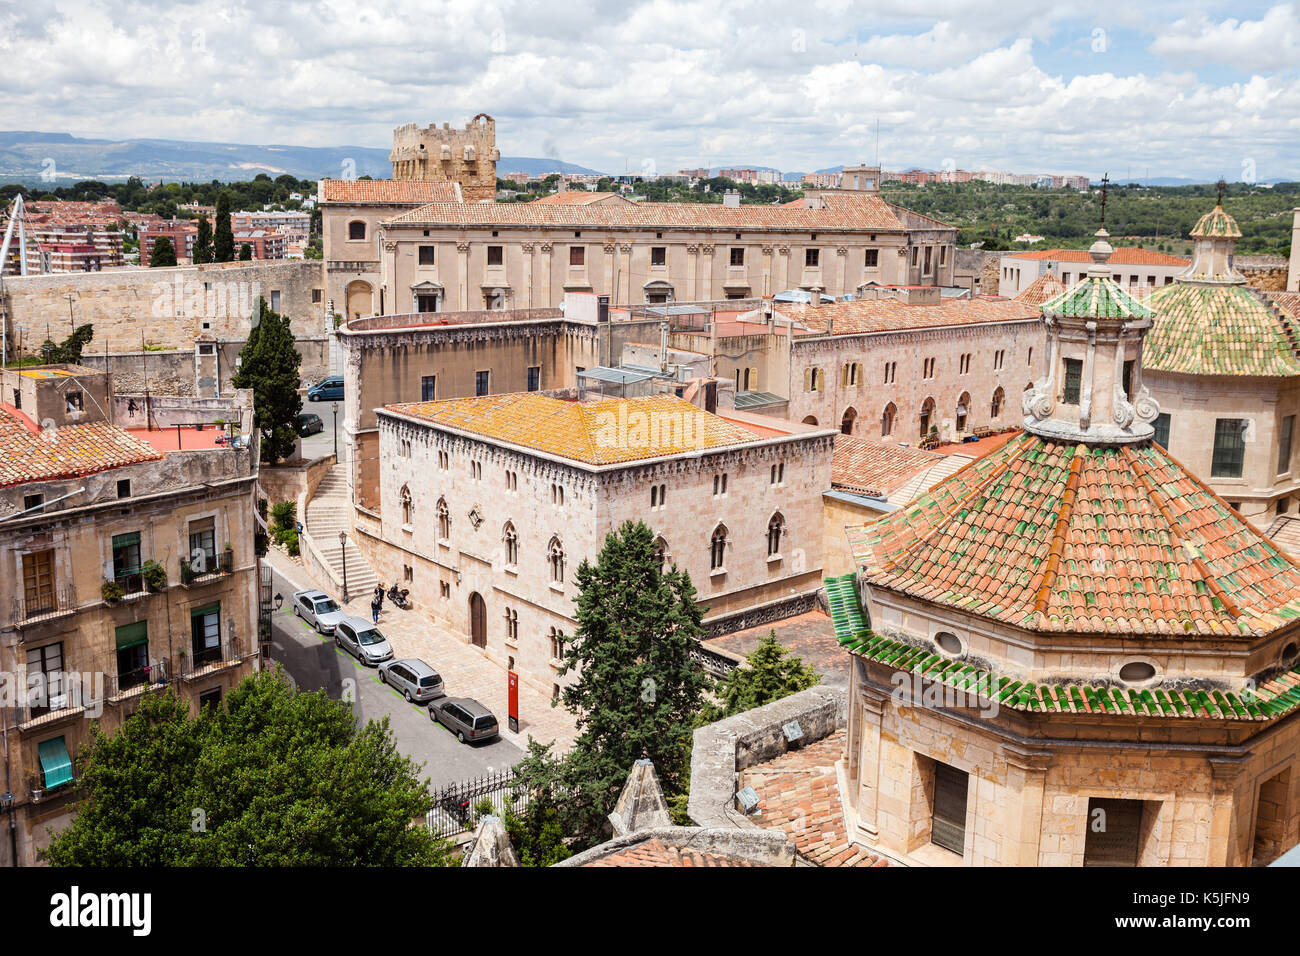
269,365
770,673
164,253
272,778
203,242
68,352
538,831
638,688
245,252
223,243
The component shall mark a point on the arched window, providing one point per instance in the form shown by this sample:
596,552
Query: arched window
963,411
999,397
887,420
511,541
444,520
927,417
555,557
775,528
661,553
512,626
718,548
407,508
846,423
357,229
810,420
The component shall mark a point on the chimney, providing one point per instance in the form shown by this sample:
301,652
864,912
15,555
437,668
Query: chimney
663,346
815,297
731,198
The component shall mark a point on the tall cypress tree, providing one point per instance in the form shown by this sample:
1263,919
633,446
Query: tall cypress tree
223,245
639,690
203,242
269,365
163,254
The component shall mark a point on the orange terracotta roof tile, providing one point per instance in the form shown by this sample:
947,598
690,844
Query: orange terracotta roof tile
1123,256
574,197
1046,286
1054,536
28,455
855,217
876,468
605,432
657,853
864,316
387,191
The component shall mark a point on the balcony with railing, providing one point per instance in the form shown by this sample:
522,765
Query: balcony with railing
49,605
128,684
199,662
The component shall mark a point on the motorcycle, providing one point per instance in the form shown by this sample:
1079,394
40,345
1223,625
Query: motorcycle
400,596
456,807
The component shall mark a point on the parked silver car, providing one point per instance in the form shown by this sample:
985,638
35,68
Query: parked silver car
413,679
466,718
362,639
318,609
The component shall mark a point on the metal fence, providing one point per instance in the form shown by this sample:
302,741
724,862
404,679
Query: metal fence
454,805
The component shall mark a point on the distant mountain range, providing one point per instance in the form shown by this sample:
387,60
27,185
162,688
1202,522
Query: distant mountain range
34,157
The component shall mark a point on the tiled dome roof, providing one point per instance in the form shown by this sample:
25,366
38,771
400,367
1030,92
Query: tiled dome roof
1220,329
1216,224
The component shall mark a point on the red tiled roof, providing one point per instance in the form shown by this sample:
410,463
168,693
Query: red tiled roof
874,467
575,197
1287,301
1046,286
1123,256
861,316
854,217
69,451
657,853
1054,536
388,191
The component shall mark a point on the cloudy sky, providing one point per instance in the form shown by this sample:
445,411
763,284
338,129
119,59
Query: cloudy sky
1173,88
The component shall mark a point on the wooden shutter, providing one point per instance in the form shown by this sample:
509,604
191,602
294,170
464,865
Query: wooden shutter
1117,843
38,581
948,821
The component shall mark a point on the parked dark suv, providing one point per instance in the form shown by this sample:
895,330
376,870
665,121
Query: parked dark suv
466,718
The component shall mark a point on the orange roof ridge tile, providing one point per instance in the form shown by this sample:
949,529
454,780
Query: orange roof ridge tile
1050,572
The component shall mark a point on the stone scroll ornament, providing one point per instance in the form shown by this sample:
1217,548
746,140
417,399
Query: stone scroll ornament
1040,401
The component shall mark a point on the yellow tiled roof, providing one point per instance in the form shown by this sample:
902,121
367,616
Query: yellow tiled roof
605,432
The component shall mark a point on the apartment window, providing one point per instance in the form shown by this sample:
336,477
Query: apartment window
775,528
46,663
718,548
927,368
998,356
317,295
510,539
914,255
203,545
891,369
73,401
963,363
534,377
426,255
1161,425
737,255
887,420
126,561
428,387
948,812
1229,448
38,582
1284,444
512,626
577,255
494,256
1073,381
481,383
943,255
778,473
659,255
132,641
205,634
719,485
555,559
34,503
873,259
811,258
210,698
356,229
926,270
275,300
124,487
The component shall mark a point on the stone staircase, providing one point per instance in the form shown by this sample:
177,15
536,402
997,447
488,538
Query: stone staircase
327,515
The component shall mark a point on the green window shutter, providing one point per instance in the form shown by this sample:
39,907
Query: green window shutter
209,609
129,635
126,540
55,763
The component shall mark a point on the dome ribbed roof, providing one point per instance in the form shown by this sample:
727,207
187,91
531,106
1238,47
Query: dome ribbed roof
1216,224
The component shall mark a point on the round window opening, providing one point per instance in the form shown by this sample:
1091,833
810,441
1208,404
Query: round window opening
1134,672
1290,651
948,643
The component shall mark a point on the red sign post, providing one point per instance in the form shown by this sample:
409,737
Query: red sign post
512,683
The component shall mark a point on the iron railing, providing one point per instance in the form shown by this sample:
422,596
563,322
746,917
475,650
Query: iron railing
54,603
454,805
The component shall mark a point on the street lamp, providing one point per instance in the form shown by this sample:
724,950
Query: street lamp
343,548
279,600
335,407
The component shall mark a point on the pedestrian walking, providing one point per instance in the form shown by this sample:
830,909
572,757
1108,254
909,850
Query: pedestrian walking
379,594
374,609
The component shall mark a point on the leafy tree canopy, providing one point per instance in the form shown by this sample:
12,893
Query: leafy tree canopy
269,365
770,673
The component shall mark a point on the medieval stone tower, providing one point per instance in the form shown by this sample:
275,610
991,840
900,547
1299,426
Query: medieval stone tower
467,156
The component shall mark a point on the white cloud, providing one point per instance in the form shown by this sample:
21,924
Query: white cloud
1270,43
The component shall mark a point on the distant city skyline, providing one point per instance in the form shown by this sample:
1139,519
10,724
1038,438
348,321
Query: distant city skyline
1159,90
